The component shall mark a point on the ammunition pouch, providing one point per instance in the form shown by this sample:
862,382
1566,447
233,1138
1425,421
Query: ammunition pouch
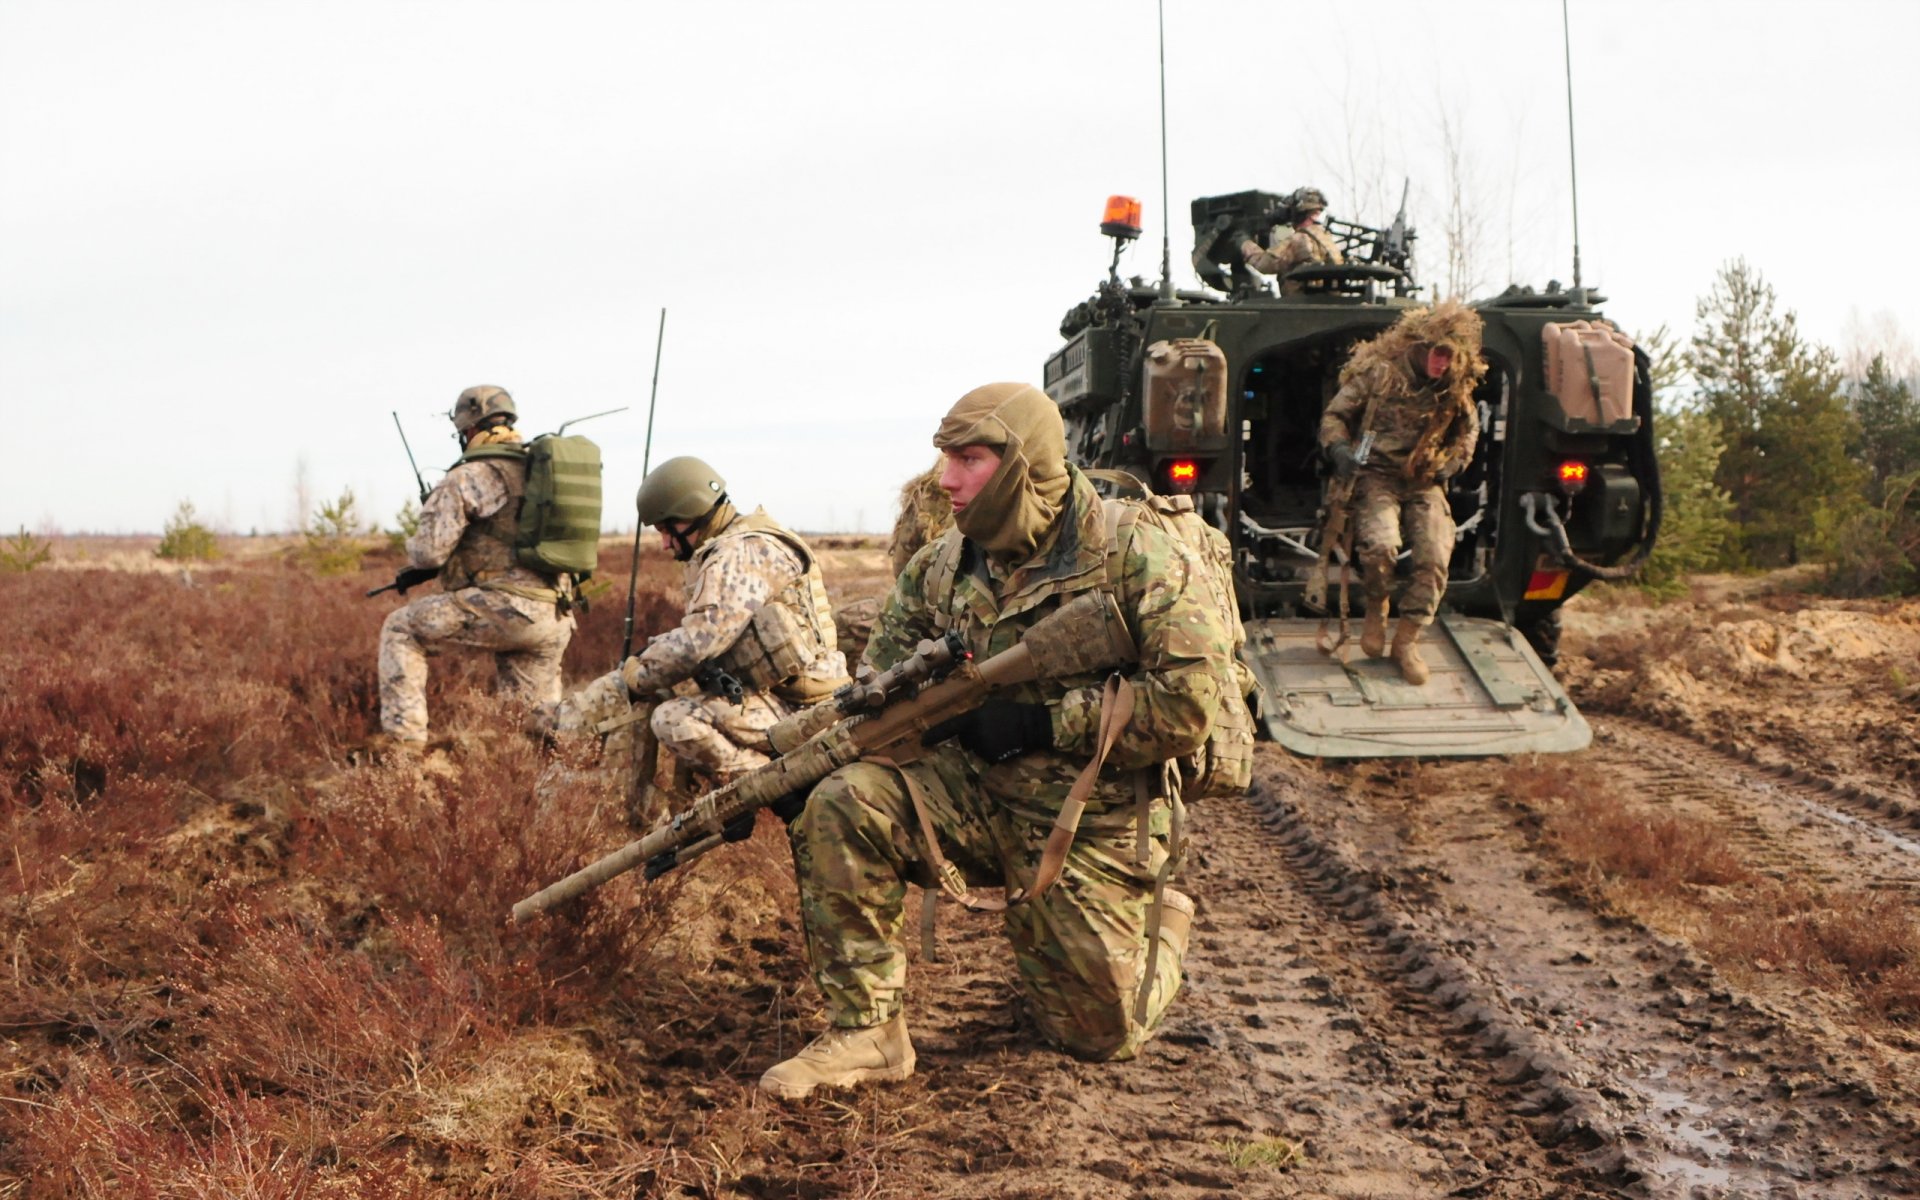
773,652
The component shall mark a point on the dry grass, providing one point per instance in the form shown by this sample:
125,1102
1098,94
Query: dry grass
1682,872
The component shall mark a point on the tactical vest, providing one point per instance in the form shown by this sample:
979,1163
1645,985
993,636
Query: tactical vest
788,634
485,553
1223,765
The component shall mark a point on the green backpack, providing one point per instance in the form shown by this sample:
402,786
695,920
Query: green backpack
560,516
559,528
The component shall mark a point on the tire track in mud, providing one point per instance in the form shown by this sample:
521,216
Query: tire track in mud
1405,1078
1628,1036
1789,820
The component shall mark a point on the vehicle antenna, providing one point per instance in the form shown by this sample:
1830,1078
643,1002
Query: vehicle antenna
646,459
1166,214
659,343
1573,167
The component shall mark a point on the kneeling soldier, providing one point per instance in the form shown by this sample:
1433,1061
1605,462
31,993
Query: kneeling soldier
757,633
1031,533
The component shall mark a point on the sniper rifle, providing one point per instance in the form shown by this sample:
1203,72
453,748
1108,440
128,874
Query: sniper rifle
883,718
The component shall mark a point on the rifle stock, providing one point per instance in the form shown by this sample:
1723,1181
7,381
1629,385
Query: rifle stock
1085,635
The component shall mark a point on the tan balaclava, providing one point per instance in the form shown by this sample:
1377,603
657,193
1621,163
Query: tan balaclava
1026,493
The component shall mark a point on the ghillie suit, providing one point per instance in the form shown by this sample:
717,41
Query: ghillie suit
926,512
1405,435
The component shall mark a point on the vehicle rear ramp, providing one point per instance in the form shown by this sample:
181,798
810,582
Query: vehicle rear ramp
1489,694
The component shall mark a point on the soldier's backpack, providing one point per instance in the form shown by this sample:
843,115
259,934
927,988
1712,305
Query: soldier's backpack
560,516
559,525
1223,766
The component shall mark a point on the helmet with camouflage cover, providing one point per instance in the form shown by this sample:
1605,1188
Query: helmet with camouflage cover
680,489
1308,200
477,404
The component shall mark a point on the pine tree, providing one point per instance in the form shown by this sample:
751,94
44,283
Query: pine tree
1697,532
1889,422
1777,402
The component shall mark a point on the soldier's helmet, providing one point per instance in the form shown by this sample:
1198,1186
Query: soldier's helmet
1307,200
476,404
680,489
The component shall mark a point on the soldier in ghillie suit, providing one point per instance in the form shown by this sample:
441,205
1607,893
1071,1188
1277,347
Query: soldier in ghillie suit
1307,243
488,600
757,633
1408,395
924,515
1030,534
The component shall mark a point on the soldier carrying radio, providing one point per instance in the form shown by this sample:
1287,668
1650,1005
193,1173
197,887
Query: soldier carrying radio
1306,243
757,635
1404,422
493,596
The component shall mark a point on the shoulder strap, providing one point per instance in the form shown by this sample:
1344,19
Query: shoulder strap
1121,516
936,586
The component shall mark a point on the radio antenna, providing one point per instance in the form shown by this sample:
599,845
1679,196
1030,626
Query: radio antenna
1573,166
659,343
1166,214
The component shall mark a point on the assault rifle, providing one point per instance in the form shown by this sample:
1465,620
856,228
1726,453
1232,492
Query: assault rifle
882,718
407,578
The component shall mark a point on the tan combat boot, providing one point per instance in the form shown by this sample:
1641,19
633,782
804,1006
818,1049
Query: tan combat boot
1406,652
842,1058
1373,635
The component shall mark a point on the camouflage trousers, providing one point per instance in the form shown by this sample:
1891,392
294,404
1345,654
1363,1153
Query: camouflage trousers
1080,950
712,734
1387,508
526,637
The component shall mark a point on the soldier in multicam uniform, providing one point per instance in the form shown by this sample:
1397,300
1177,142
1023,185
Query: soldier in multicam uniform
1031,533
1411,388
1307,243
756,615
488,601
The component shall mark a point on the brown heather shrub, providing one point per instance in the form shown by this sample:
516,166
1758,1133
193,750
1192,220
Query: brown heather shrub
107,1135
1863,943
1592,826
459,848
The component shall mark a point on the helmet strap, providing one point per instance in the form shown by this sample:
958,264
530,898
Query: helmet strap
682,547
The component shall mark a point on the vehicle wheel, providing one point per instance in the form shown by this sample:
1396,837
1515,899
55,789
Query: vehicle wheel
1543,634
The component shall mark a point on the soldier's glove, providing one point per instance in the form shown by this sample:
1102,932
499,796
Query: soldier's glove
1340,454
788,807
740,828
998,730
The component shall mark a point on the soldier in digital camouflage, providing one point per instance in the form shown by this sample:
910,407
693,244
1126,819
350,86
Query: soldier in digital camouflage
488,600
1411,389
1305,243
756,619
1030,532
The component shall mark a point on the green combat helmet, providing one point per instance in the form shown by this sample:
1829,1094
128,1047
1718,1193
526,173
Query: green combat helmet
476,404
684,490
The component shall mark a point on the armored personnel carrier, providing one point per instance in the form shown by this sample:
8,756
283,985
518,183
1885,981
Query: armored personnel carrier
1217,392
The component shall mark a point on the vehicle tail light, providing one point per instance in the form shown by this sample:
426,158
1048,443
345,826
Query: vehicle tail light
1122,218
1572,476
1183,474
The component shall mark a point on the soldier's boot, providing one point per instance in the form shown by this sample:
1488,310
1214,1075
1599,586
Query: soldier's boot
385,748
1373,634
1406,652
1176,921
842,1058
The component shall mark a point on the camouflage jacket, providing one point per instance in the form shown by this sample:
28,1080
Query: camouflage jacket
1176,681
467,526
736,571
1295,248
1420,433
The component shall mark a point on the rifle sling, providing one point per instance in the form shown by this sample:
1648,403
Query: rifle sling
1116,710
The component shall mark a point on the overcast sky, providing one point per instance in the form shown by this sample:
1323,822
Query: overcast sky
234,236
